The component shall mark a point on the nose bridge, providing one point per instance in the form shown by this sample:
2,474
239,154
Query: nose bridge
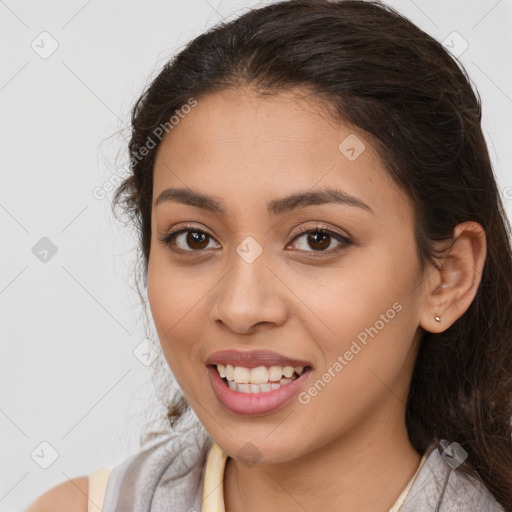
249,250
249,275
247,294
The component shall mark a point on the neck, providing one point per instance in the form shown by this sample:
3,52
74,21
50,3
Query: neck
366,469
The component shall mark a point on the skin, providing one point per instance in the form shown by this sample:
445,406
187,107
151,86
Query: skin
69,495
347,448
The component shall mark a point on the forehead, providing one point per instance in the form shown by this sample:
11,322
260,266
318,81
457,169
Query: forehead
239,146
237,120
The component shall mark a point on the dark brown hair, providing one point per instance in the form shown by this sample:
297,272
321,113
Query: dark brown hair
376,70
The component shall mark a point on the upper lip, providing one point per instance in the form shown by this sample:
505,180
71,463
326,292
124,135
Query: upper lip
253,358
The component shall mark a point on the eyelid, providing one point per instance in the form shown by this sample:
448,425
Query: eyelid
171,234
321,226
344,240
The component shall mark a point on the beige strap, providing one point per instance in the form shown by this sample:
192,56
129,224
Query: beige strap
97,486
213,489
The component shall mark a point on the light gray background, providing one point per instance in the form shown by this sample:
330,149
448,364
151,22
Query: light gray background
70,325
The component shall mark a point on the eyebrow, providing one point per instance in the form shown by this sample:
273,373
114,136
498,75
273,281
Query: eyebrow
274,207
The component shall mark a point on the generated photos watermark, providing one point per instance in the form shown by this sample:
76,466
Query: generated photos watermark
355,348
101,191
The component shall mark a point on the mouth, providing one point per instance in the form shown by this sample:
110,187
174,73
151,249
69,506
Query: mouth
261,379
259,390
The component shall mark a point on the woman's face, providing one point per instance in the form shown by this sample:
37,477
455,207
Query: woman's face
248,276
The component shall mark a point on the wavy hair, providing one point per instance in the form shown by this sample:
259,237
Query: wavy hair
376,70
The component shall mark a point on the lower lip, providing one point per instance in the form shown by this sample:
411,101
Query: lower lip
251,404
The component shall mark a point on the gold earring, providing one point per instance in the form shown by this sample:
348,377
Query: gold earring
438,318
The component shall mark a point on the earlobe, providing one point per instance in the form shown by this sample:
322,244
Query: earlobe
452,288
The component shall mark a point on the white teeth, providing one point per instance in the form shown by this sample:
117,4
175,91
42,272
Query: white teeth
288,371
229,371
241,375
222,370
260,377
275,373
257,388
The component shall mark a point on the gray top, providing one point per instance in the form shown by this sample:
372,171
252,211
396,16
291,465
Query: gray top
169,475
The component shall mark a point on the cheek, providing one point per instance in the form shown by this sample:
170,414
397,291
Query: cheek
172,291
173,299
371,319
350,300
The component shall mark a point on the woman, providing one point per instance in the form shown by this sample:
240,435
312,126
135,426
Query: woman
329,271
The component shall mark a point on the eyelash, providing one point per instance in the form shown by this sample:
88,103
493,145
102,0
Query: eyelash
344,241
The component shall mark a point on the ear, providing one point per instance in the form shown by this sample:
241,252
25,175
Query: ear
450,290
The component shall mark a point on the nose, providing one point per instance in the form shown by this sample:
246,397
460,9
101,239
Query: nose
250,296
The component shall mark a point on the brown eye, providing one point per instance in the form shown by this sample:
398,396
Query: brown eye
188,240
196,240
321,239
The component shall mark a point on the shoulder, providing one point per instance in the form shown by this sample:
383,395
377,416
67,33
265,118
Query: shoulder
70,496
168,474
440,487
463,491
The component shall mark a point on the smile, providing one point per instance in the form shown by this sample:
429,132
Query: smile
261,379
250,399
